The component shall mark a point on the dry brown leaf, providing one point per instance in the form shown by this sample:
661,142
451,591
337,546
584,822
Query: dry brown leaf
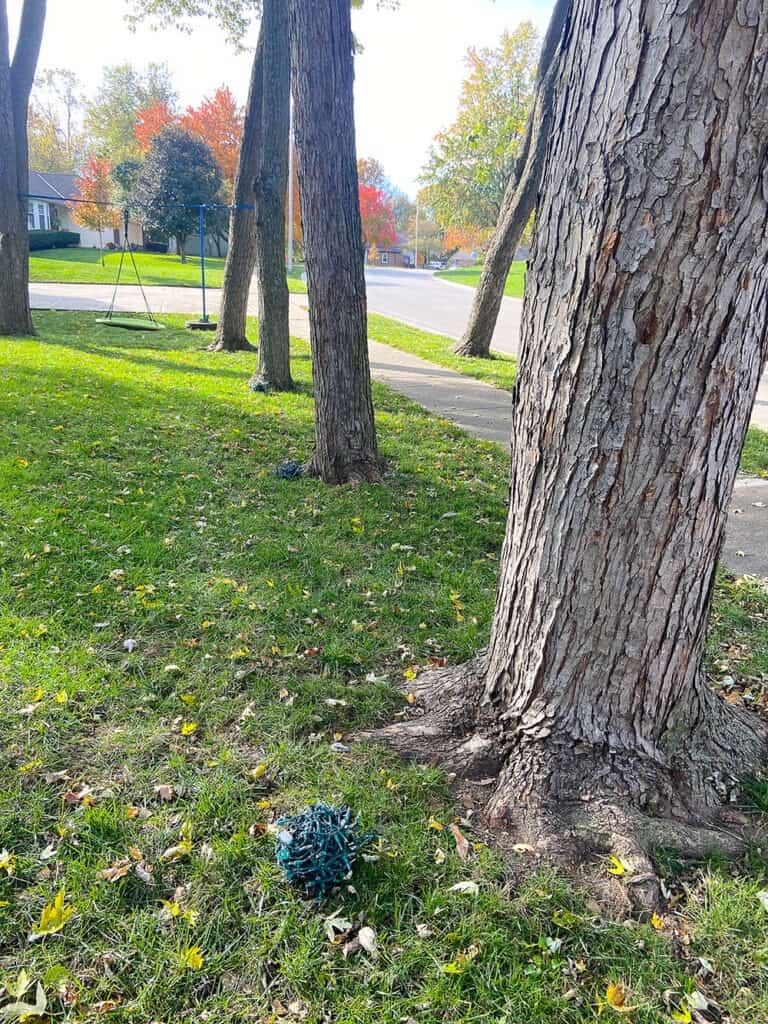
462,843
116,871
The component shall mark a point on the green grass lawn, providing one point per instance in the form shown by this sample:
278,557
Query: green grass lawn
470,276
500,370
83,266
173,615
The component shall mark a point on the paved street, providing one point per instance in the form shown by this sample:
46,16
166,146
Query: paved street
419,298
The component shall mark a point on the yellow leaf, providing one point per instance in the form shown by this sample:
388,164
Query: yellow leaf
391,785
193,958
616,996
61,697
410,673
7,862
262,805
188,728
53,917
411,698
435,824
618,866
683,1015
259,771
36,695
171,908
174,853
189,699
657,922
22,462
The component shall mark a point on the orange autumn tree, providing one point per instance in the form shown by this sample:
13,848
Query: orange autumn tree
95,190
218,121
150,121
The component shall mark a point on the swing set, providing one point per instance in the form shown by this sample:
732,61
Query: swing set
129,323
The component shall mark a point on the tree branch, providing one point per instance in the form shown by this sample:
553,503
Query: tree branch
27,50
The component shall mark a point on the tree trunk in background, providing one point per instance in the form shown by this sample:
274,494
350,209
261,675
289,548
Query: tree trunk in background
181,241
274,369
644,340
16,78
322,78
241,254
520,196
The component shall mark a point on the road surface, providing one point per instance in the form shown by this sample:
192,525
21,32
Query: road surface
422,300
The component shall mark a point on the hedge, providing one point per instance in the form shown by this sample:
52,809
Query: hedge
52,239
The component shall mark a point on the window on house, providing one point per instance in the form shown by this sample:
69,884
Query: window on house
385,257
42,216
31,217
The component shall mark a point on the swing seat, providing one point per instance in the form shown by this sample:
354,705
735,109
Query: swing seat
130,323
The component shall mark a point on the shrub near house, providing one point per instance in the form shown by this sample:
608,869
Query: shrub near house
52,240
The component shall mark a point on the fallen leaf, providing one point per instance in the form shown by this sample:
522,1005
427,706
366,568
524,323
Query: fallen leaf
53,917
165,793
468,888
7,862
618,866
23,1011
116,871
522,848
188,728
193,958
616,996
367,939
462,843
423,931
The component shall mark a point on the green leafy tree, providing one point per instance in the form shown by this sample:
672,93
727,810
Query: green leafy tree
178,174
471,163
111,115
54,131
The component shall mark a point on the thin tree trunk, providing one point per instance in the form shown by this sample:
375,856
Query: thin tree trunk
644,341
520,196
322,80
241,251
16,78
180,243
274,369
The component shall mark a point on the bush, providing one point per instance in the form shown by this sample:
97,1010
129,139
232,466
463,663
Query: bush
52,239
150,246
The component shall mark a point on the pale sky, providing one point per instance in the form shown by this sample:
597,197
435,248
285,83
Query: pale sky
407,79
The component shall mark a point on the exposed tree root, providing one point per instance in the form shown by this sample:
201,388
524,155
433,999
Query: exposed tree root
571,805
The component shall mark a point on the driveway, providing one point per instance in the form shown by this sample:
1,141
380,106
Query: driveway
418,298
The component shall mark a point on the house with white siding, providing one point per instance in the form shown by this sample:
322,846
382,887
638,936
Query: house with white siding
49,209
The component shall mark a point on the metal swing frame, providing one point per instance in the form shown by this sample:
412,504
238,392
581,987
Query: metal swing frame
130,323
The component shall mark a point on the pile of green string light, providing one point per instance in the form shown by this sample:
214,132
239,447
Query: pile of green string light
317,848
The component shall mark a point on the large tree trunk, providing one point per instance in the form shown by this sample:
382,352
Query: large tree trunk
274,369
322,77
241,252
644,341
520,196
16,78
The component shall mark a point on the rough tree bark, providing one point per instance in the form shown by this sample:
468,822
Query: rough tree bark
16,78
520,196
322,80
241,253
274,368
644,340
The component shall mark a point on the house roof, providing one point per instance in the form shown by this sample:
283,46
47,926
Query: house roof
55,185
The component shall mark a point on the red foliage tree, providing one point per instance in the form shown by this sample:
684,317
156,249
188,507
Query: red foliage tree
377,216
95,188
218,121
150,121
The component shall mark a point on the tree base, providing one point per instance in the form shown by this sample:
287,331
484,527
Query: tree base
569,803
231,344
471,350
359,469
264,385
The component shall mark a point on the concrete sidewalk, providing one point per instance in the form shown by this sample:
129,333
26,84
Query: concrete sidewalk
478,408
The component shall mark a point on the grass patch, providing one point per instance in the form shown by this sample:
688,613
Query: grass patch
470,276
83,266
499,370
138,504
754,458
